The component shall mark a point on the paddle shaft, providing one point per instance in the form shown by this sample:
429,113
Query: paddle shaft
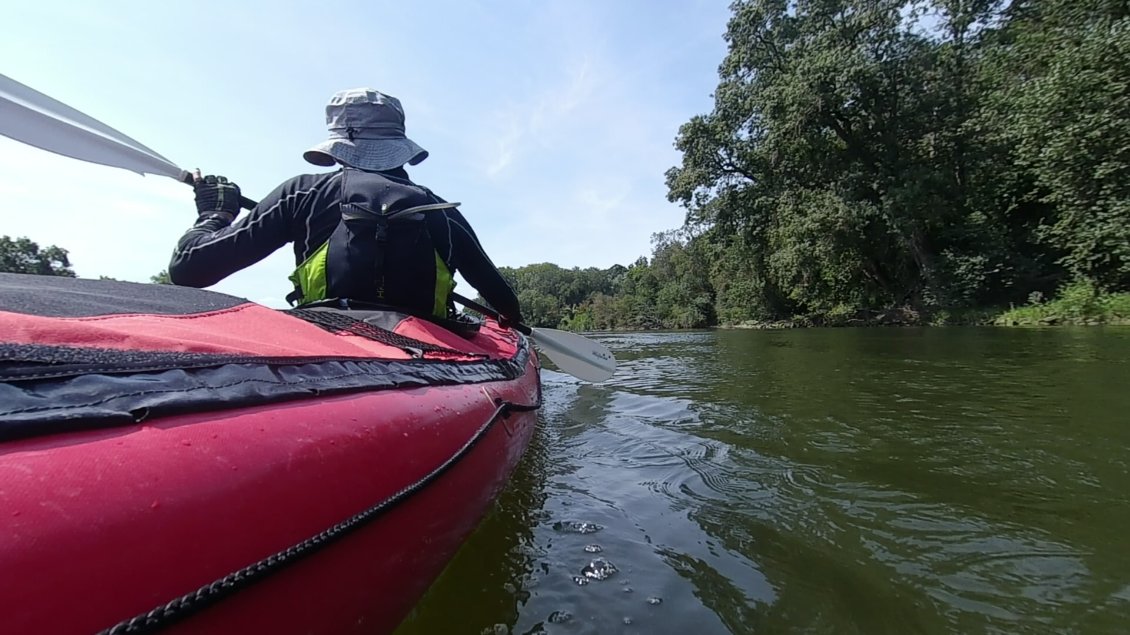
576,355
471,304
33,118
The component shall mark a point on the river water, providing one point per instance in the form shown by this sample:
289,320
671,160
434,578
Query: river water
946,480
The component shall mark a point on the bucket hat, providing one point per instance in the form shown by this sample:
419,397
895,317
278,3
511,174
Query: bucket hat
366,132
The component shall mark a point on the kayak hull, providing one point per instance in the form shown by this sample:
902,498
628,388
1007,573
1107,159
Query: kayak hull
129,519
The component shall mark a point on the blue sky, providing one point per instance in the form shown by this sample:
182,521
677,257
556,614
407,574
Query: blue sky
552,122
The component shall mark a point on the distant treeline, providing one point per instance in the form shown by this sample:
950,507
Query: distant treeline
644,295
866,157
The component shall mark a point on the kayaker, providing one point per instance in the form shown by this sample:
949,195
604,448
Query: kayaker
364,232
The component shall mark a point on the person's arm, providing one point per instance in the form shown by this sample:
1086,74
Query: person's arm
475,266
215,248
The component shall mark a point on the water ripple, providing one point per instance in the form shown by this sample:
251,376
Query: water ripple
887,480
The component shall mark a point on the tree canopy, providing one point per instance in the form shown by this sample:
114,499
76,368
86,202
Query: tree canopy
24,256
863,161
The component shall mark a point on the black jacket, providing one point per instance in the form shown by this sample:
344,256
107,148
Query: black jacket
305,210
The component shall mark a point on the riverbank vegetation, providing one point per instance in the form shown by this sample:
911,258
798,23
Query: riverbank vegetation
1078,303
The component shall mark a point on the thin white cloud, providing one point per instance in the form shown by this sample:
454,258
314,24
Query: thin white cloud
505,146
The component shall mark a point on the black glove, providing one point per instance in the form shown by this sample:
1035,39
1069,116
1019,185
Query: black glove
216,197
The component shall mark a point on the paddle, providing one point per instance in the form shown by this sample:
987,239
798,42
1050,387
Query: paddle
579,356
31,117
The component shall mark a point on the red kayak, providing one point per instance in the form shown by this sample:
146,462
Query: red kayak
181,461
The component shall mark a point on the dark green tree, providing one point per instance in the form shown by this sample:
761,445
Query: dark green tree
24,256
853,159
1062,101
681,264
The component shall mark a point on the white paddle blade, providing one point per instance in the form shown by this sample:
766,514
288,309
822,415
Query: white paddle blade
31,117
579,356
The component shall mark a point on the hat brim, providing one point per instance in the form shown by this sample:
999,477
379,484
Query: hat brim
375,155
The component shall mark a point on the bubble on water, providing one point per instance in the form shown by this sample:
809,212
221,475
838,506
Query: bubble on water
593,548
627,589
576,527
560,617
627,621
599,569
581,580
653,600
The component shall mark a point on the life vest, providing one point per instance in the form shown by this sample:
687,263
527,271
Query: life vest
381,250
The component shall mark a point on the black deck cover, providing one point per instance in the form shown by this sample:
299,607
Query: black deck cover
56,296
46,388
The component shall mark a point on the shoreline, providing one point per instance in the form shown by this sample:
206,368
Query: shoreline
781,325
1078,304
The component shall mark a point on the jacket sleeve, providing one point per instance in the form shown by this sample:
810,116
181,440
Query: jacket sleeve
212,250
475,266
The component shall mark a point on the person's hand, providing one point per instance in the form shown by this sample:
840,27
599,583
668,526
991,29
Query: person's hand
216,197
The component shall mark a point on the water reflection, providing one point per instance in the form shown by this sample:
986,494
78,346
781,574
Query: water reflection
886,480
496,571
